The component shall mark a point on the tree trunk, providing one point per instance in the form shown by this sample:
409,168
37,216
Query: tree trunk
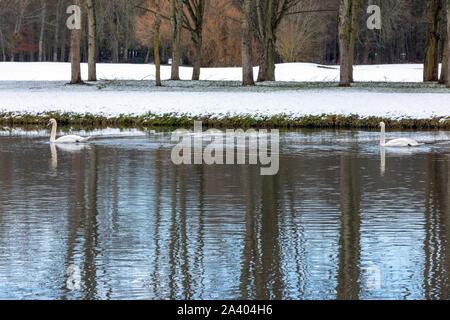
444,47
176,19
126,52
115,50
57,21
85,42
18,27
445,59
198,44
267,67
92,41
115,45
266,14
344,43
147,56
348,31
75,52
247,65
448,43
431,63
355,6
42,31
63,57
2,45
114,41
196,11
156,44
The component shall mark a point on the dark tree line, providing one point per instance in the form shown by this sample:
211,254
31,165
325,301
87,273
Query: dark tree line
35,30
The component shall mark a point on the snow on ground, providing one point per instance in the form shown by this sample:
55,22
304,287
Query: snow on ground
140,97
32,98
302,72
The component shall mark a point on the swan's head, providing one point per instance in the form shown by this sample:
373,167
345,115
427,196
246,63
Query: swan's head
382,125
51,122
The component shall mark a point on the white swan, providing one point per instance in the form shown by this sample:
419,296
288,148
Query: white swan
65,139
403,142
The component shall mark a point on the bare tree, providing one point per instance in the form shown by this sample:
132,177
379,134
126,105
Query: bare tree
267,24
22,7
431,63
444,40
445,58
114,25
348,29
92,41
2,37
356,4
42,31
2,45
303,36
448,43
57,30
176,19
193,21
247,36
75,51
269,14
156,43
124,31
65,35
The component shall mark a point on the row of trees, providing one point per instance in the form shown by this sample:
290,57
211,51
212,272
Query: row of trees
35,30
228,33
437,39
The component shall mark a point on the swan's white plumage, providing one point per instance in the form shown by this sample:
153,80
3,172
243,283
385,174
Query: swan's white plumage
398,143
402,143
65,139
71,139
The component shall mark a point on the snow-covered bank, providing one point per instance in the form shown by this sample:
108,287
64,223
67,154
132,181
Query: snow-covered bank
33,88
138,98
301,72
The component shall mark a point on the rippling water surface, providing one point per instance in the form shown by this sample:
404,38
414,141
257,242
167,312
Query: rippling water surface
117,220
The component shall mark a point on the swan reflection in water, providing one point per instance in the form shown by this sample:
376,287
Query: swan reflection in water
396,153
442,147
68,148
75,147
383,161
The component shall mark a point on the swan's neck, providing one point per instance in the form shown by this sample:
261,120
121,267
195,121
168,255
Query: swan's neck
53,133
383,136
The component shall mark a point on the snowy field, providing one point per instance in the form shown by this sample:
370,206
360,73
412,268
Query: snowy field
40,87
301,72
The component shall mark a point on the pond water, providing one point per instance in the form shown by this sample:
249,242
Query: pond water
117,220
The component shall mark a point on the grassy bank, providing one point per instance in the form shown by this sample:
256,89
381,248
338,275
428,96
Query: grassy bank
282,121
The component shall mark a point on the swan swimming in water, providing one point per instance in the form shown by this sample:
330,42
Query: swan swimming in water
403,142
65,139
